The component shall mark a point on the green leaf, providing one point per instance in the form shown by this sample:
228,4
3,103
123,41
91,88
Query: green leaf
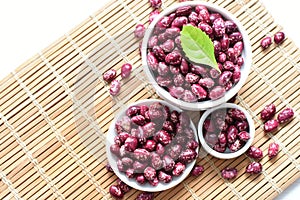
198,47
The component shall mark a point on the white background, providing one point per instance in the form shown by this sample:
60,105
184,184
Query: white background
29,26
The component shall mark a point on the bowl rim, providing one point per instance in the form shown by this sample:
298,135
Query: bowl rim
216,154
132,183
247,55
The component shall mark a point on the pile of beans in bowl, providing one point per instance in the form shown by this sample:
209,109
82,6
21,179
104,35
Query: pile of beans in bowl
183,79
226,130
153,144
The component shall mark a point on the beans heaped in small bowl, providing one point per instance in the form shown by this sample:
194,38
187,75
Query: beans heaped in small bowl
189,85
152,145
226,131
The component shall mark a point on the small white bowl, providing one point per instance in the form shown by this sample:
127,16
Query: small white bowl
245,69
132,182
226,155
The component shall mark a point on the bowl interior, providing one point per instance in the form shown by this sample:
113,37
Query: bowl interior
246,54
131,182
226,155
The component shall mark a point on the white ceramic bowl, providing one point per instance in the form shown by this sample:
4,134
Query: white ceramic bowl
227,154
247,55
131,182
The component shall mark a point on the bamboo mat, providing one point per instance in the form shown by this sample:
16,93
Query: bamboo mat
55,111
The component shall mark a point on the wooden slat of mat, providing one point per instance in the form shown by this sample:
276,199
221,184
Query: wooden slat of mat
65,56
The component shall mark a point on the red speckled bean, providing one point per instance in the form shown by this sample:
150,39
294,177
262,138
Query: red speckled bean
180,21
219,27
254,168
110,75
224,42
271,125
115,87
173,58
285,115
199,91
126,70
268,112
273,149
152,61
183,11
197,170
139,31
230,26
238,47
225,77
217,92
266,42
155,3
193,17
279,37
229,173
116,191
145,196
206,82
255,152
205,27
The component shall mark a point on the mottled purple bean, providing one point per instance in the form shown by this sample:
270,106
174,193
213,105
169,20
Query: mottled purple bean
229,173
178,169
254,168
193,17
273,150
189,96
179,21
235,37
168,45
214,16
266,42
285,115
217,92
126,70
164,81
183,11
152,61
139,31
197,170
271,125
115,87
176,92
219,27
150,173
204,16
268,112
230,26
110,75
279,37
255,152
222,57
238,47
165,178
225,77
145,196
116,192
173,58
205,27
219,148
224,42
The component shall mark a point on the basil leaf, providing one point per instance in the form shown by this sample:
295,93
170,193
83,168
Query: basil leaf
198,47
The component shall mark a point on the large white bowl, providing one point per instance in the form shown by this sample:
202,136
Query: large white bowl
226,155
245,69
131,182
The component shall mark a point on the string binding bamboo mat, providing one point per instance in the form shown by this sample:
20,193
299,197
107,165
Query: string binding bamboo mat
55,111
